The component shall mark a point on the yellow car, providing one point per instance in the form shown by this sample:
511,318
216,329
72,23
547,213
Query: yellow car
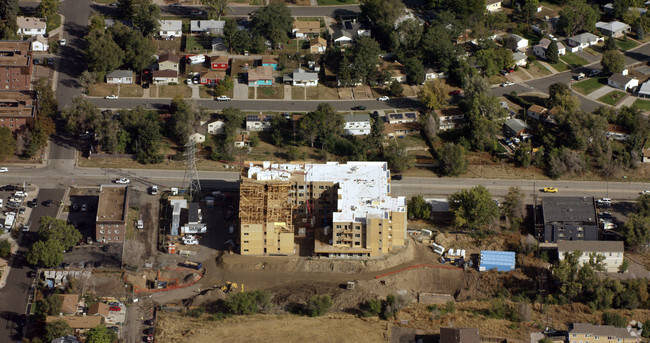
550,190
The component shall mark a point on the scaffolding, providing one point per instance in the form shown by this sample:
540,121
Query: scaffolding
251,203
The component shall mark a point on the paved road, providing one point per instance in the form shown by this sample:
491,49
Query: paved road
13,296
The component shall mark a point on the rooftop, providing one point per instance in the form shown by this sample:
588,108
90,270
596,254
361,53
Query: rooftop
193,213
584,38
68,302
312,26
537,109
602,330
517,125
645,88
268,59
459,335
206,25
620,78
260,73
98,308
545,42
164,73
355,118
302,75
171,25
15,55
317,41
113,203
17,104
364,187
120,74
169,57
518,56
612,26
78,322
569,209
590,246
31,23
220,59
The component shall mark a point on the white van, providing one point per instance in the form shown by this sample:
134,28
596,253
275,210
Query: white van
140,224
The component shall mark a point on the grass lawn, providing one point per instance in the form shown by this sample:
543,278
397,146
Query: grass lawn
134,215
170,91
560,66
626,45
573,60
197,45
642,104
321,92
587,86
543,70
105,2
612,97
207,92
335,2
53,22
270,92
298,93
102,89
131,91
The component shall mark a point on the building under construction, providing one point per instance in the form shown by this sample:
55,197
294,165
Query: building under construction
347,207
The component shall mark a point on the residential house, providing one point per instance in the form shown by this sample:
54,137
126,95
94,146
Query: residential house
112,213
459,335
350,31
39,43
98,309
586,332
520,58
212,77
317,45
401,118
18,109
69,303
258,122
617,132
31,26
110,22
169,61
493,5
613,29
219,62
65,339
623,82
449,118
582,41
569,218
398,72
214,27
644,90
120,77
79,324
609,9
540,49
164,77
521,43
170,28
342,38
306,29
197,138
401,129
270,61
516,127
357,124
215,126
431,74
260,76
300,77
15,65
611,251
242,141
536,112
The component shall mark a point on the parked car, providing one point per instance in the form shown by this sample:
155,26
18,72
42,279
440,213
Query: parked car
396,177
115,308
511,70
33,203
153,190
550,190
140,224
112,97
62,42
383,98
4,169
580,77
47,203
359,108
594,72
175,5
507,84
122,181
503,72
455,92
645,192
223,98
195,12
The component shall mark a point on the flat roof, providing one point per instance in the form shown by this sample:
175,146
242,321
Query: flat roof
112,206
78,322
17,104
590,246
569,210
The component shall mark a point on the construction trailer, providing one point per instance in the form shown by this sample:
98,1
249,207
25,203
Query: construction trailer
455,255
503,261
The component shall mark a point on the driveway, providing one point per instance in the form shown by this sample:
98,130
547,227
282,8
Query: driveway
600,92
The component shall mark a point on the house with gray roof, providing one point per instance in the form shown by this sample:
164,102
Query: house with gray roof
124,77
644,90
613,29
516,127
207,26
357,124
301,77
170,28
520,58
583,40
622,82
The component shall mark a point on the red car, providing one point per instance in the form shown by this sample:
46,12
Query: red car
511,70
456,92
115,308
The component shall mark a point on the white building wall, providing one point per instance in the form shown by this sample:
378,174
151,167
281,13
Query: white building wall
611,262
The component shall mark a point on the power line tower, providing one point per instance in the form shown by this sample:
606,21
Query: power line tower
191,178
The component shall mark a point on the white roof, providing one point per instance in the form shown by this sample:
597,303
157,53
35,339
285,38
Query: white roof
302,75
31,23
171,25
206,25
364,187
645,88
612,26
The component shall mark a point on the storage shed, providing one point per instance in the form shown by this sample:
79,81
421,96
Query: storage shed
502,261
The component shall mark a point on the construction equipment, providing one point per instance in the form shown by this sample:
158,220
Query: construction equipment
229,287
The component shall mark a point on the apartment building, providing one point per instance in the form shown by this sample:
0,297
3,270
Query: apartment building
15,65
569,219
112,212
17,109
612,252
585,332
348,208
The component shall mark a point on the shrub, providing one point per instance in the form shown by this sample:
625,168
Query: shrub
196,312
372,307
5,249
248,302
318,304
393,305
613,318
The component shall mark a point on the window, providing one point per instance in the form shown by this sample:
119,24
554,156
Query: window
109,232
117,238
245,250
338,226
357,235
320,187
357,243
245,233
108,238
245,242
101,231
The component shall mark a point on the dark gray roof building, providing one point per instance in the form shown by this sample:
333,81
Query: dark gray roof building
569,218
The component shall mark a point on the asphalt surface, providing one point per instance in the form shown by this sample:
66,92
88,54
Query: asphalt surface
13,296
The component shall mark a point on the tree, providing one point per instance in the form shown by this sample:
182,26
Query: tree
452,159
146,18
49,306
382,11
397,157
438,48
620,8
578,16
637,230
83,116
58,229
224,85
396,88
47,8
364,58
229,32
552,52
434,94
522,155
102,53
215,8
86,79
530,9
615,319
612,61
273,22
7,143
183,119
148,144
5,249
246,303
414,71
47,254
56,329
321,124
556,92
138,49
640,32
514,207
610,44
429,124
8,12
375,139
318,304
418,208
624,266
409,34
473,208
100,334
241,41
393,305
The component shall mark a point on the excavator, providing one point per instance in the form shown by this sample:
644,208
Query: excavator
231,287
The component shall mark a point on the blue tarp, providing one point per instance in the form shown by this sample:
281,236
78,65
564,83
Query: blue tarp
499,260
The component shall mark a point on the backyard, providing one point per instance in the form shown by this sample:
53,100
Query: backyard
587,86
612,97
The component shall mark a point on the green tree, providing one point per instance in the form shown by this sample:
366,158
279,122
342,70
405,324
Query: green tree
397,157
434,94
318,304
615,319
248,302
414,71
224,85
382,11
146,18
49,306
5,249
646,333
59,230
241,41
552,52
624,266
610,44
81,117
47,8
396,88
514,207
7,143
393,305
96,22
56,329
637,230
556,94
138,49
640,32
418,208
215,8
321,124
452,159
578,16
429,123
372,307
529,10
102,53
229,32
364,58
375,139
473,208
522,155
45,254
273,22
438,48
148,144
612,61
100,334
620,8
409,32
183,119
